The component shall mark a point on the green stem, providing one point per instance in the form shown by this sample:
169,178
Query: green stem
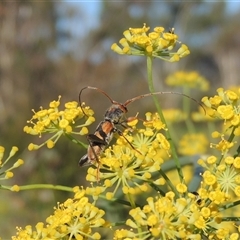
74,140
157,188
230,139
168,181
230,205
186,109
131,200
156,102
133,205
230,219
174,136
117,200
237,152
40,186
169,165
116,224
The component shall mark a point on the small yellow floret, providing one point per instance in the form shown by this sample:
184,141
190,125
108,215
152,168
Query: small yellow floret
109,195
181,188
8,175
15,188
18,163
2,149
13,151
84,131
63,123
50,144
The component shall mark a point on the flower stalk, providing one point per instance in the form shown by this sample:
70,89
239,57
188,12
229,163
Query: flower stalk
159,110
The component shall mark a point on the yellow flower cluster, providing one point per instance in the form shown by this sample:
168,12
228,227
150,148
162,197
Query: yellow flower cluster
185,217
193,143
74,219
223,145
125,165
225,105
133,165
202,116
222,177
159,44
188,79
6,172
58,122
174,115
129,169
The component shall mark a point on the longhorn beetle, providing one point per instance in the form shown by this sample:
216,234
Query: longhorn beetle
114,116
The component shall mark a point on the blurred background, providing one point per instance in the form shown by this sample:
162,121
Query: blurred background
55,48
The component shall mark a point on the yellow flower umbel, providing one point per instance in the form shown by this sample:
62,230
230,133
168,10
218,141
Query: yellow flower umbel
169,217
58,122
188,79
174,115
7,172
74,219
223,176
203,116
159,44
129,166
193,143
225,106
